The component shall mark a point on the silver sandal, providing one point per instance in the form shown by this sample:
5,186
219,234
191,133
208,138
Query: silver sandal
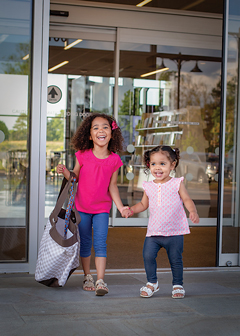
101,288
88,282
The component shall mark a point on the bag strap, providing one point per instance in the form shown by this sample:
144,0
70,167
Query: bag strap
64,182
69,206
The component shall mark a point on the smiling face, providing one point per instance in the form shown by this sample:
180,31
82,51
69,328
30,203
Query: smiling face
100,132
160,167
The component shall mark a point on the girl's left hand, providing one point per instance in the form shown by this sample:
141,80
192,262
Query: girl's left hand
194,217
60,168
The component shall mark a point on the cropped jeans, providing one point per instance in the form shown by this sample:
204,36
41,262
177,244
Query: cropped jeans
99,224
174,248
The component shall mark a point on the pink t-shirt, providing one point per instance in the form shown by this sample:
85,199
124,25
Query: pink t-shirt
94,178
167,215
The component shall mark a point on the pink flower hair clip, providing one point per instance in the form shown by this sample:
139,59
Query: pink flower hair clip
114,125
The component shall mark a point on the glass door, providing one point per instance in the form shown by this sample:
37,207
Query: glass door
82,84
171,95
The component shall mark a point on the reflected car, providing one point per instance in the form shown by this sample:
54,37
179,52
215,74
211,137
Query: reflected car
202,167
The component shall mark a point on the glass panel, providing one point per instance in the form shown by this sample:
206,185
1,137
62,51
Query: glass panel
15,44
84,85
230,229
177,106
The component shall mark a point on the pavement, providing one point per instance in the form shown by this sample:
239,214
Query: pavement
211,306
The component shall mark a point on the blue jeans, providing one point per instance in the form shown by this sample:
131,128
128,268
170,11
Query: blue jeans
99,224
174,248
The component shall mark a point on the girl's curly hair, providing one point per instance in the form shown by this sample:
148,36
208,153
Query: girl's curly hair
80,140
172,154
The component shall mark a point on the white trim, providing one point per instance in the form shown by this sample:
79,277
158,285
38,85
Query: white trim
140,9
116,71
87,33
168,38
139,19
226,257
224,90
115,102
14,268
161,270
143,222
43,114
38,129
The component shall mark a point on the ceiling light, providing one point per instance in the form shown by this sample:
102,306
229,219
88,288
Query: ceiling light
58,66
25,57
160,69
72,44
154,72
193,4
196,69
143,3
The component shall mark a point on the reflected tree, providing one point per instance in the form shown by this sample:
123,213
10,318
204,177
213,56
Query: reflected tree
20,128
15,63
4,129
55,127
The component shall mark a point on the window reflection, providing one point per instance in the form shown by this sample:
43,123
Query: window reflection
177,107
15,41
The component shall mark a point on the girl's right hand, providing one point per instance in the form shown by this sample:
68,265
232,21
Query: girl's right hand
60,168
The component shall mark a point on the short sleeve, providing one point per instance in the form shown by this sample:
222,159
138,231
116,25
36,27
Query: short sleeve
79,157
180,179
145,187
118,163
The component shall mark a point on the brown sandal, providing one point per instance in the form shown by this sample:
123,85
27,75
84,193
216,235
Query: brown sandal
101,288
88,282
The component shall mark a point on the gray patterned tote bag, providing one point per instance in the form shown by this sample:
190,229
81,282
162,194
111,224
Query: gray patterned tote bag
58,255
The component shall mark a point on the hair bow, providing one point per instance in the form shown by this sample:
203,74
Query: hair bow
114,125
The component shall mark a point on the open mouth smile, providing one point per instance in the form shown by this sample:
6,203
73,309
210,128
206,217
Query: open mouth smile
158,174
101,137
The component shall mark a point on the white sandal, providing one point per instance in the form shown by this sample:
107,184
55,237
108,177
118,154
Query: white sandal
178,289
148,290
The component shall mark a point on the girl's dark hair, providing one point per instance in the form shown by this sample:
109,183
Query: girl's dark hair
80,140
172,154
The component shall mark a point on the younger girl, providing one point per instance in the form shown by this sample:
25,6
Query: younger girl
96,141
167,222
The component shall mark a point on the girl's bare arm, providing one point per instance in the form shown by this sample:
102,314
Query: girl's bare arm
114,192
141,206
189,204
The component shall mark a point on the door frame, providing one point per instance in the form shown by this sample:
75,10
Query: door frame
226,259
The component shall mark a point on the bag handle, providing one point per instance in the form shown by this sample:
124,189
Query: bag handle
61,199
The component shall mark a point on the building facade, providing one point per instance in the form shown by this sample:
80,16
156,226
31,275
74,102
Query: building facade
168,75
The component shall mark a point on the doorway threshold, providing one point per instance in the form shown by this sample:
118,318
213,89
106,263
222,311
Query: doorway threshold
160,270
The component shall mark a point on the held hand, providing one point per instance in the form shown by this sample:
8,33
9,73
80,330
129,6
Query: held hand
60,168
194,217
127,213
